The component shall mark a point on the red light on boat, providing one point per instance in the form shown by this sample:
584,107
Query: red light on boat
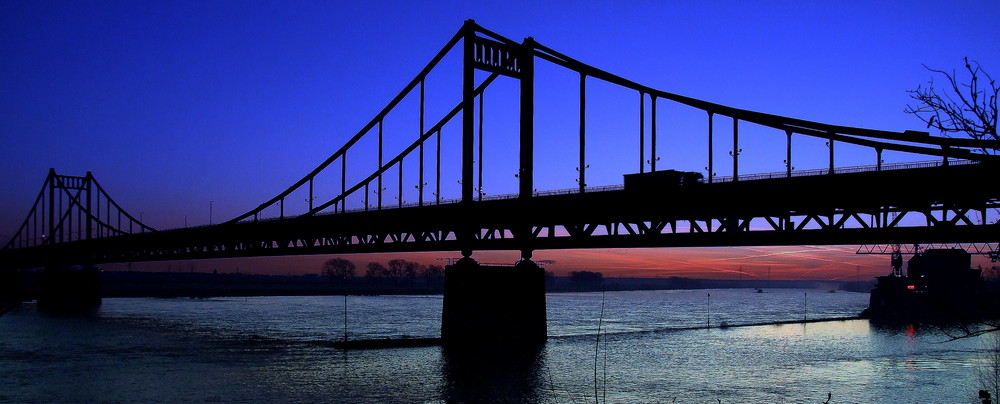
911,287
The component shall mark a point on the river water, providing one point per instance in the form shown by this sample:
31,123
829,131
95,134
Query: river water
278,349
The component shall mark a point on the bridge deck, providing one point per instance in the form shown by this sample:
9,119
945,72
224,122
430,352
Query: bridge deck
853,208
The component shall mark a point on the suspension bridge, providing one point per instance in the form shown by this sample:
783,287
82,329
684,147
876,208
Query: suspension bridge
74,220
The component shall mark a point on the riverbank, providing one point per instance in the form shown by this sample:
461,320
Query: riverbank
114,284
178,284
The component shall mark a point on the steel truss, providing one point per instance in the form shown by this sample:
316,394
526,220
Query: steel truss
919,206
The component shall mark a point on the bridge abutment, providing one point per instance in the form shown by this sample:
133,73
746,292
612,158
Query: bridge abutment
493,305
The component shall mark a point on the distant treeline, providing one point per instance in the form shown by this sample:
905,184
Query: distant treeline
398,277
164,284
174,284
399,271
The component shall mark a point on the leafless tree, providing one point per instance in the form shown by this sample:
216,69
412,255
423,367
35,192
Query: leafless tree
397,269
376,271
338,269
988,372
432,274
403,270
968,107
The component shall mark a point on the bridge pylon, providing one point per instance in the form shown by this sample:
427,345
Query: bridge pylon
72,209
493,305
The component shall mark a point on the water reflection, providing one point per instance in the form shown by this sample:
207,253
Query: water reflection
493,374
911,331
277,349
831,329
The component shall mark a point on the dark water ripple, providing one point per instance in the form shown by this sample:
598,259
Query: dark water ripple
653,348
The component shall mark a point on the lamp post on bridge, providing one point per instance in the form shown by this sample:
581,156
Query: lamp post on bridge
210,206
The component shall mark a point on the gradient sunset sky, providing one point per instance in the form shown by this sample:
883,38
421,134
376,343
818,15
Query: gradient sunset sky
174,104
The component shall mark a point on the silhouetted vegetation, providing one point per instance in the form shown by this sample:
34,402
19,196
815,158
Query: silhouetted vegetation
403,272
375,272
338,270
968,107
433,274
988,372
430,280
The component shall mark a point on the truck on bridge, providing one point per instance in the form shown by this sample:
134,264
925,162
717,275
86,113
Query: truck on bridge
662,181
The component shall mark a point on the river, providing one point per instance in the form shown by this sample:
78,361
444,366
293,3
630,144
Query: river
278,349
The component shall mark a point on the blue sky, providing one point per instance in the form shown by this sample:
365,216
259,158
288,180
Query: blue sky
172,104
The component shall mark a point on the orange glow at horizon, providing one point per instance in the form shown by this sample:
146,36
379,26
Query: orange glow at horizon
835,263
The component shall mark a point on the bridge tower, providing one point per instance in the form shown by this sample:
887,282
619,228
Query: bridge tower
68,216
495,304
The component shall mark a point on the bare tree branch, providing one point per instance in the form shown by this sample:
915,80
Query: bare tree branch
962,108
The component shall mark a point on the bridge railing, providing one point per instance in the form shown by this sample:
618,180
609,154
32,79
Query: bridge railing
846,170
717,179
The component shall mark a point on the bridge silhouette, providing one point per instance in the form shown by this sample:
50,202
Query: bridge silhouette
75,221
945,197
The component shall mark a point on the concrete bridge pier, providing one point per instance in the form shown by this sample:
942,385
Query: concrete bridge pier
68,288
493,305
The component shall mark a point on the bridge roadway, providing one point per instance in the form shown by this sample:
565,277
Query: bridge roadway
853,208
